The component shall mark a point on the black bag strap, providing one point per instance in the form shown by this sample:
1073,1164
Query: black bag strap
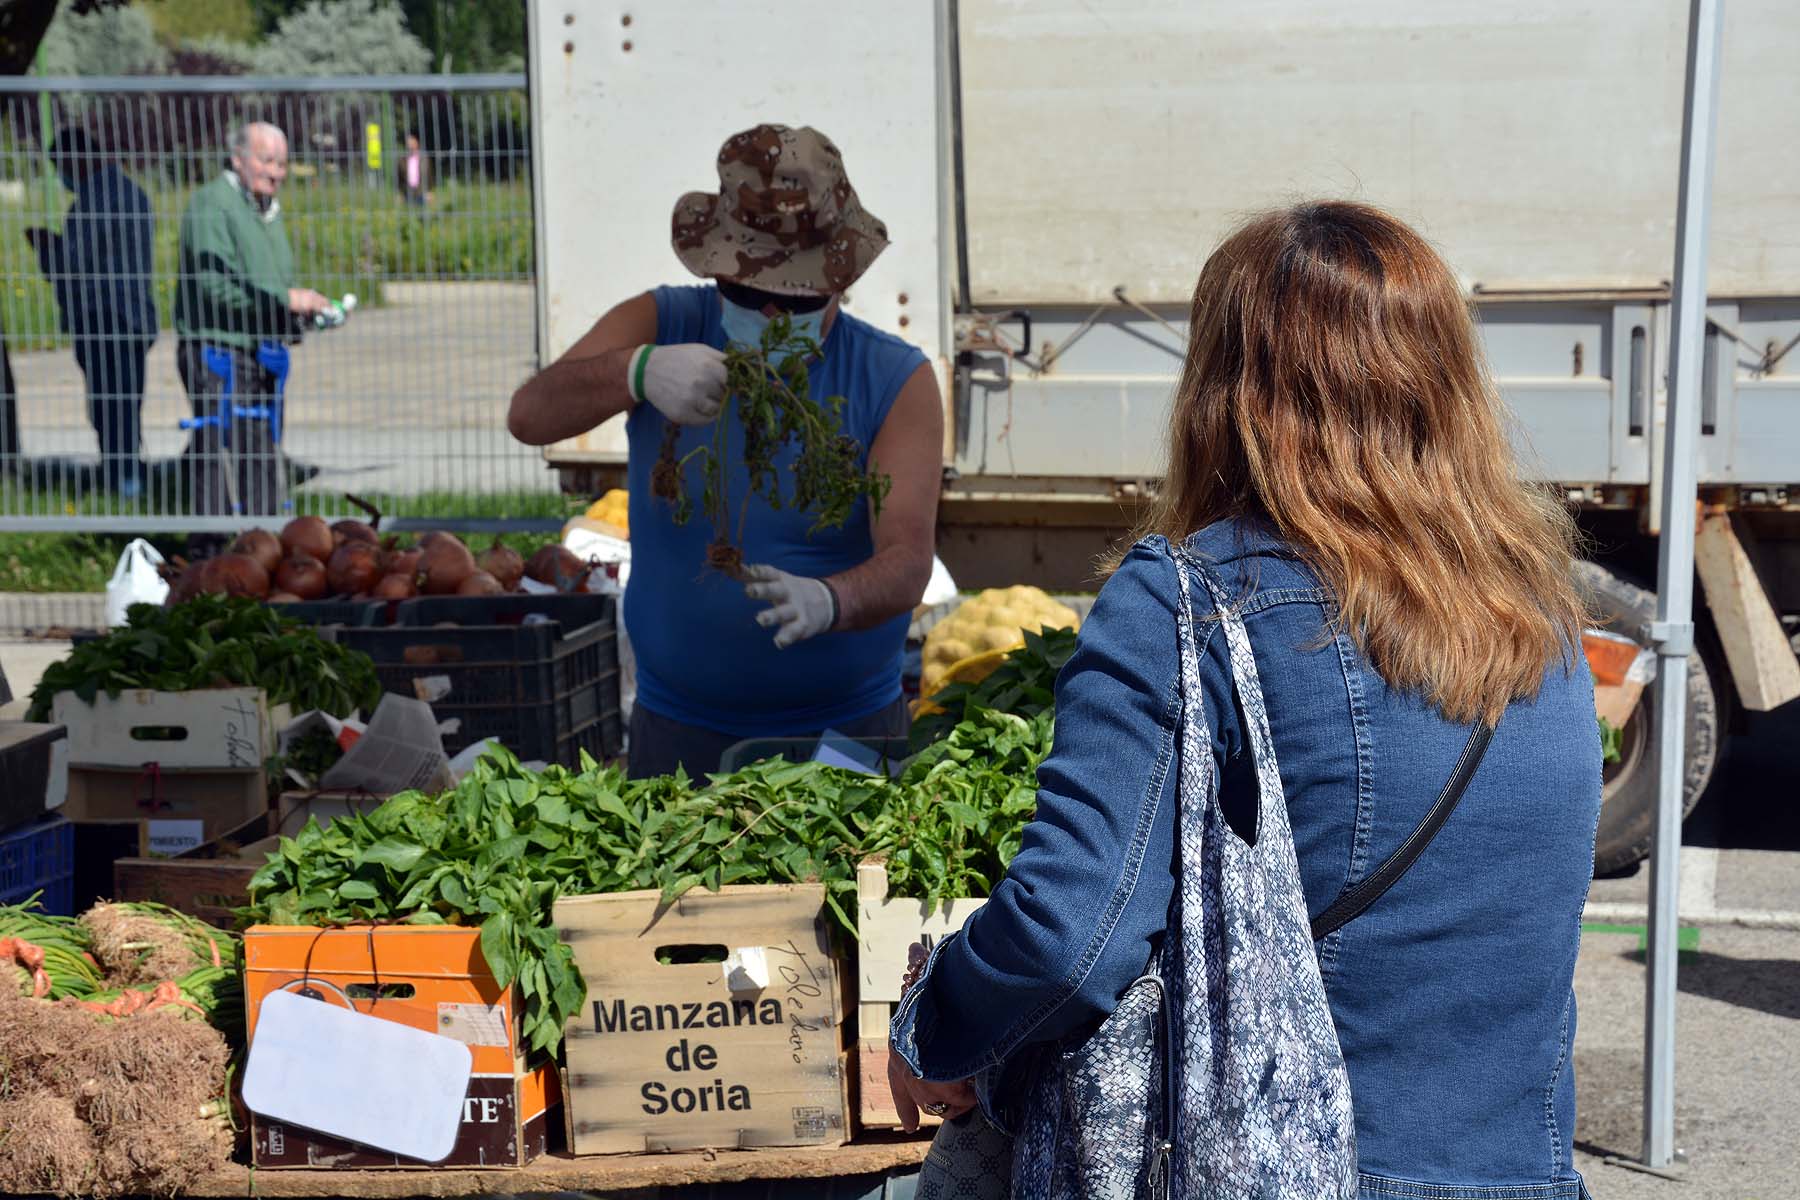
1354,900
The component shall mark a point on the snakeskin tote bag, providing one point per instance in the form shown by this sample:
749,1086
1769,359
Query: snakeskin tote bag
1219,1074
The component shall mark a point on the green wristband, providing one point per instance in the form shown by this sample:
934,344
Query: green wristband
637,373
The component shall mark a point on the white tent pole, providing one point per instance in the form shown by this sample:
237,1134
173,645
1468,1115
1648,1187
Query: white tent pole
1673,631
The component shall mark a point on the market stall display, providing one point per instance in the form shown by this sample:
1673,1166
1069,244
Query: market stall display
114,1063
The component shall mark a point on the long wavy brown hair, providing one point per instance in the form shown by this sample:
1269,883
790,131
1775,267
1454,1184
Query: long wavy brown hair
1335,386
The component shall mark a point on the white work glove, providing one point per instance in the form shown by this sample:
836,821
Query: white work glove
685,383
798,606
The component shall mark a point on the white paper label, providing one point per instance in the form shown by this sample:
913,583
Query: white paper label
746,969
473,1024
168,838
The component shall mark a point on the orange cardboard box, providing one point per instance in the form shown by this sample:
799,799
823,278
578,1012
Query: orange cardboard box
432,978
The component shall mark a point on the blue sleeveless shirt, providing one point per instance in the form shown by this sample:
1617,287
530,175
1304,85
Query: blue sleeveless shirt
701,657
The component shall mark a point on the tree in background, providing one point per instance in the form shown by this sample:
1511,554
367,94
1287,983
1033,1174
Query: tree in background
460,35
470,35
345,37
179,21
113,41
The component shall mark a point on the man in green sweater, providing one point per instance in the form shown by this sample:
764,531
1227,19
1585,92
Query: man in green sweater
236,294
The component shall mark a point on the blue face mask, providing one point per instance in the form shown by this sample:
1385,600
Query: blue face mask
745,326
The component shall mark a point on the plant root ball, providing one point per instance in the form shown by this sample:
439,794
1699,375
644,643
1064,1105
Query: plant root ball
162,1157
46,1047
154,1066
47,1149
115,929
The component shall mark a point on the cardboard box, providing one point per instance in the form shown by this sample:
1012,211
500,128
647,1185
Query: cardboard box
294,808
885,927
689,1055
174,811
429,977
214,728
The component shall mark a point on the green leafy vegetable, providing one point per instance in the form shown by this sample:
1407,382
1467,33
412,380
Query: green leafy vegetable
768,386
1024,684
215,641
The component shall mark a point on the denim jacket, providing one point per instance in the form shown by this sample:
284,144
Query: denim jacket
1453,995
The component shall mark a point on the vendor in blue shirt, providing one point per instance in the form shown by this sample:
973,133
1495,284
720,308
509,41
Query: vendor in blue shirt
809,635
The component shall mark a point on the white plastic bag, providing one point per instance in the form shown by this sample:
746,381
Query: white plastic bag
941,589
134,581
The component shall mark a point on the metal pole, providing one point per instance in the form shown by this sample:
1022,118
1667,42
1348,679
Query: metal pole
1673,631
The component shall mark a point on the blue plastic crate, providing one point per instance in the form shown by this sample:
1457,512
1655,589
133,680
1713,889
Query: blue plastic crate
39,857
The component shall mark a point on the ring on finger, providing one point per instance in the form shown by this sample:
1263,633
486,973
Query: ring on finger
936,1110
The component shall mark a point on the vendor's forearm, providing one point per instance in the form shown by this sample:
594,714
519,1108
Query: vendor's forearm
888,584
570,397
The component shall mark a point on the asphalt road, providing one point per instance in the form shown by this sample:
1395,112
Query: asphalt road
405,398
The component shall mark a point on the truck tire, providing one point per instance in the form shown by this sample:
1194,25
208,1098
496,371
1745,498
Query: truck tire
1628,798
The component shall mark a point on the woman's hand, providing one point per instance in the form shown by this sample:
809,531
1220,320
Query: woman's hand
946,1100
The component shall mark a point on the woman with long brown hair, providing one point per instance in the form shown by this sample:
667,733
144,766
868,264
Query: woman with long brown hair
1340,473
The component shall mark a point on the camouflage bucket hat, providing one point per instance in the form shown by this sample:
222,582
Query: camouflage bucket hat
785,218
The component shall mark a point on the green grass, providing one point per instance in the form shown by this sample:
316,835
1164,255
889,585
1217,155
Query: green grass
346,238
83,562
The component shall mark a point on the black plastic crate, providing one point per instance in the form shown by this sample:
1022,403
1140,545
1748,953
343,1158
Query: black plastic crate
545,689
25,753
358,613
515,608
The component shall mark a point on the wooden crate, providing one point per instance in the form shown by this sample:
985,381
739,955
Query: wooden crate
886,926
171,812
432,978
669,1056
207,729
207,884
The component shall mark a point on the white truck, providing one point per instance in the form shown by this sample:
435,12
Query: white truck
1055,171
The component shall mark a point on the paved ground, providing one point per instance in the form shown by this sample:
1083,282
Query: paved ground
407,397
1737,1017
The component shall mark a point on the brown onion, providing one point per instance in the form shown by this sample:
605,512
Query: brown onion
307,535
446,563
402,562
283,598
234,575
503,563
354,567
557,566
394,587
354,531
186,584
480,583
302,575
261,545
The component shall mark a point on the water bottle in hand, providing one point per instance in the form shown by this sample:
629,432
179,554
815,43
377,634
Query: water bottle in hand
335,313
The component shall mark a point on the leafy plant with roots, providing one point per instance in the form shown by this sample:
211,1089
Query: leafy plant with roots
768,387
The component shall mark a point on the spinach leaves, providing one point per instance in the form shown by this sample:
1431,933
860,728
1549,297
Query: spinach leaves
215,641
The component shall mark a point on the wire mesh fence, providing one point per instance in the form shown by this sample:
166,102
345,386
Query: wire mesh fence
236,299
